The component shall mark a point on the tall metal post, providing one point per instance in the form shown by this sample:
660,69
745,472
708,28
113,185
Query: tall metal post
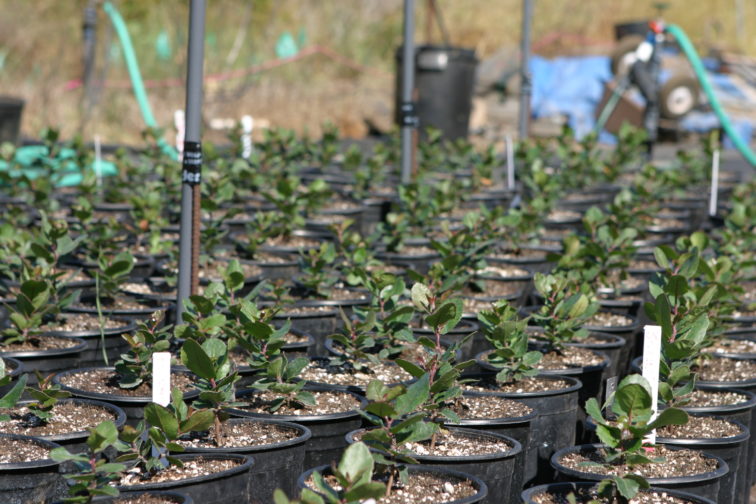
526,84
192,162
408,114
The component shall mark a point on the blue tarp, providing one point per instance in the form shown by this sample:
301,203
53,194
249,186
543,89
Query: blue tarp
573,87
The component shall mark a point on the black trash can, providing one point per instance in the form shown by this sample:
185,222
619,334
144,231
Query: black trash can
444,79
10,118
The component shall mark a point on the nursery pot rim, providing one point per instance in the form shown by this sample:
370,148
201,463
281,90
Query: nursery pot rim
119,421
129,325
33,464
528,493
51,352
327,417
98,396
574,385
247,463
516,447
304,434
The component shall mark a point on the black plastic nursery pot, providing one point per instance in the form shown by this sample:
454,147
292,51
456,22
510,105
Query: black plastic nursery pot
563,489
735,486
590,376
172,497
276,464
326,442
613,346
499,471
31,482
518,428
150,306
553,428
478,484
218,488
110,341
48,361
133,406
705,485
530,257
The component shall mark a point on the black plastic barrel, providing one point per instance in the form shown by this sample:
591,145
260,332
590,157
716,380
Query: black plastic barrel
10,118
622,30
444,79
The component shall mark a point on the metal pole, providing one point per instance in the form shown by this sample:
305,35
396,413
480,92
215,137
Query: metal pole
408,114
526,85
192,161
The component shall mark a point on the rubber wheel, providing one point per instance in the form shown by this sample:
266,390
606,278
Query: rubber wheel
678,96
625,45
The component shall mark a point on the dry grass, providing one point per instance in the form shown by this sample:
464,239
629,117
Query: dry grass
42,43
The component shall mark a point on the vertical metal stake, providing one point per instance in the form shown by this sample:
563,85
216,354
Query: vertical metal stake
408,114
192,162
526,84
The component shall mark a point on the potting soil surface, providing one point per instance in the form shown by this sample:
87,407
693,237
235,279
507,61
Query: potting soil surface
105,381
421,488
248,433
328,402
67,417
488,407
191,469
708,398
584,496
674,463
16,450
727,370
320,372
526,385
81,322
700,428
40,343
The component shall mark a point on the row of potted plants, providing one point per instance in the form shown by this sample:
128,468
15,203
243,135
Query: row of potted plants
460,329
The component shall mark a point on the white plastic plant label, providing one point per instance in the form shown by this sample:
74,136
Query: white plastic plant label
161,378
652,335
714,183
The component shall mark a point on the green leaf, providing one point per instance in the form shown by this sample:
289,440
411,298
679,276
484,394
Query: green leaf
442,315
194,357
661,258
594,410
633,397
413,369
198,421
357,463
416,394
627,487
10,399
420,296
610,436
669,416
372,489
61,454
162,418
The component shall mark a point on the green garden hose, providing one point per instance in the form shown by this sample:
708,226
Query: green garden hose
136,77
698,68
